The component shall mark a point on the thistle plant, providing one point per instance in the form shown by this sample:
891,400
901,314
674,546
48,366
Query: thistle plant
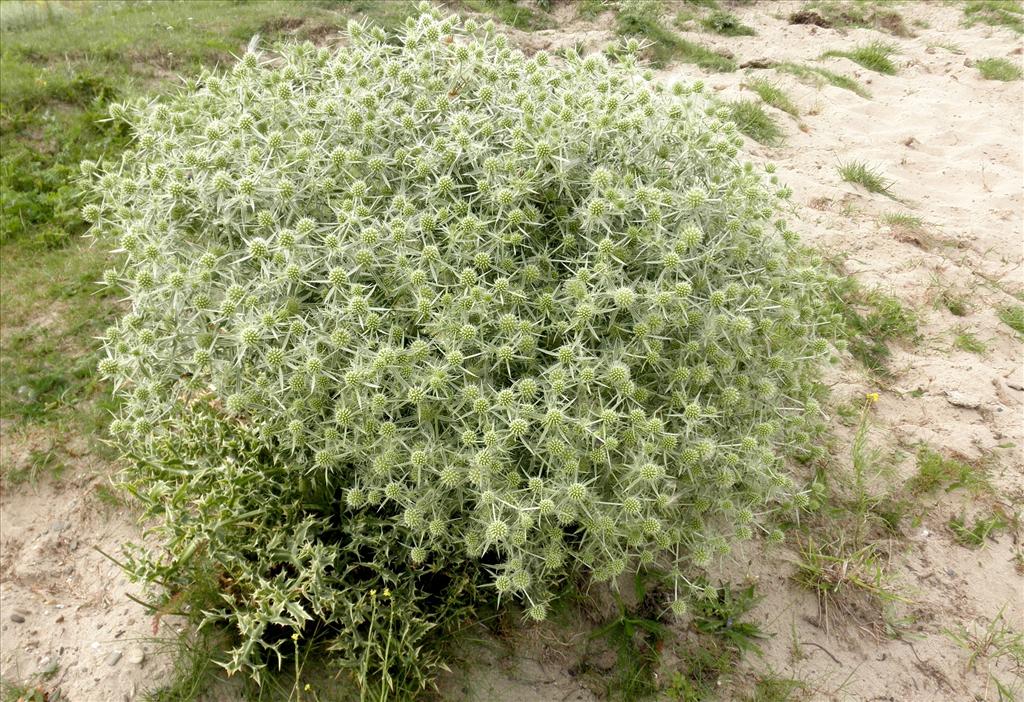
425,305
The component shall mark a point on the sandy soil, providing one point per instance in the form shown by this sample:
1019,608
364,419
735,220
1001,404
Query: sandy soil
952,143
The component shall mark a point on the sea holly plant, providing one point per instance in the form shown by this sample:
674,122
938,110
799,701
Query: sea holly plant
428,315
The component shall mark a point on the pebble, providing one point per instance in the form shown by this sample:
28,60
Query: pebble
136,655
17,618
113,658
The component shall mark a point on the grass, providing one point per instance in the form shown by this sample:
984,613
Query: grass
937,472
845,578
726,24
510,12
752,120
868,15
1013,317
665,46
872,320
967,341
995,640
821,76
868,177
874,56
903,219
773,95
998,69
995,13
974,535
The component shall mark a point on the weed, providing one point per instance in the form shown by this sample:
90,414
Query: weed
719,613
635,634
773,95
903,219
998,69
514,14
726,24
868,177
845,578
949,46
937,472
874,56
666,46
591,9
776,689
996,13
974,535
752,120
21,692
1013,317
704,663
993,641
844,13
872,320
821,75
967,341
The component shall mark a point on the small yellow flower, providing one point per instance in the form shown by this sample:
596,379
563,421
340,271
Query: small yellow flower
373,593
308,687
295,636
872,397
387,592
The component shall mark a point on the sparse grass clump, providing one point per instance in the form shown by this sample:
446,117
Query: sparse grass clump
874,56
1013,317
641,20
968,341
726,24
423,323
868,177
937,472
773,95
752,119
998,69
820,76
856,13
975,535
996,13
873,320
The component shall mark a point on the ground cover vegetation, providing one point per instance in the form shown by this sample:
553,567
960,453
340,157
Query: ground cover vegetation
417,322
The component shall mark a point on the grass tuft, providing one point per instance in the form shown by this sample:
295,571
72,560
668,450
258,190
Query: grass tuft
995,13
820,76
868,177
843,14
937,472
874,56
773,95
726,24
752,120
967,341
665,46
1013,317
974,535
998,69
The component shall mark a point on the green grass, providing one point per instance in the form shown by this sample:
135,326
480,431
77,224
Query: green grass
937,472
872,320
868,177
1013,317
998,69
903,219
726,24
874,56
773,95
591,9
844,14
995,13
975,535
752,120
967,341
665,46
514,14
820,76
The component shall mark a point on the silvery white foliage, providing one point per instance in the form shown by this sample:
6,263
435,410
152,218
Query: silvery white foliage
531,310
